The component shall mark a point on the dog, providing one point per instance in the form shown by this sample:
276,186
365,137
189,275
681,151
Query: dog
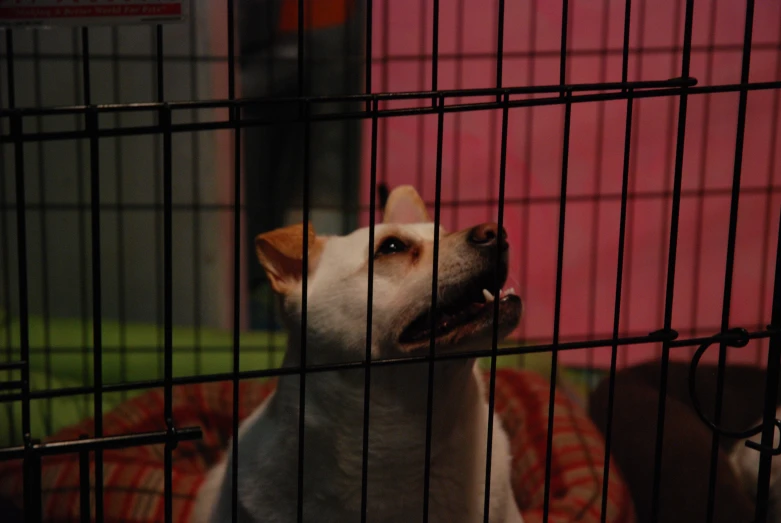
472,268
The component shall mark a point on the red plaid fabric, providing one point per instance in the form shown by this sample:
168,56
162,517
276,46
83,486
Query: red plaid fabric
133,477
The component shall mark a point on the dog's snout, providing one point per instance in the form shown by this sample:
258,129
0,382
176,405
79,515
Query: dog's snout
487,235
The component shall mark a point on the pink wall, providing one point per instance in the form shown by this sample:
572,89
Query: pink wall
217,17
471,160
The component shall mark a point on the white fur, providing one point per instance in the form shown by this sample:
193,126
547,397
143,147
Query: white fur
334,406
745,464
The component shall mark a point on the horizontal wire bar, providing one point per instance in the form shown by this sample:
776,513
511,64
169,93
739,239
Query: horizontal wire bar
576,198
361,97
102,443
385,113
227,349
656,337
11,385
531,343
412,57
13,365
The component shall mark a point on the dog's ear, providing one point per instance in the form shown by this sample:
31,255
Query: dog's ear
405,206
281,253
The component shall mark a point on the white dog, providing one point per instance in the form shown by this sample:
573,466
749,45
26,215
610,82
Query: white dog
472,267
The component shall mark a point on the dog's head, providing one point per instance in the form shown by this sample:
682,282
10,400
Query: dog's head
471,270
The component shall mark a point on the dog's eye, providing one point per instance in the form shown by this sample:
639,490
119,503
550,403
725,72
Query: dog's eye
390,246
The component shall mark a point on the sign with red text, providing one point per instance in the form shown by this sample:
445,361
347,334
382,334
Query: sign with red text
90,12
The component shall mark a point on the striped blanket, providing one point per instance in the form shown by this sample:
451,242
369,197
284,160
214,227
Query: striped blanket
134,477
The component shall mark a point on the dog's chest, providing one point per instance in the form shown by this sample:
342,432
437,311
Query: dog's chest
395,474
333,474
394,492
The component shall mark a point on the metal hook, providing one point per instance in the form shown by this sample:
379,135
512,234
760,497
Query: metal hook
737,337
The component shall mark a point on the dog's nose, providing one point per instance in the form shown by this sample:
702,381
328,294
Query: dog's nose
486,235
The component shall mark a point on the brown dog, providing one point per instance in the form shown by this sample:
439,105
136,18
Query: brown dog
687,440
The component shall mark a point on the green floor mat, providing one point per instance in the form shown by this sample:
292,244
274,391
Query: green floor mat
61,358
134,352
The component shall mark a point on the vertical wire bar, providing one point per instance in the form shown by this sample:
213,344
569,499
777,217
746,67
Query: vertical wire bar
45,304
559,255
670,117
434,293
368,57
497,296
21,245
771,395
435,51
304,282
731,239
347,65
701,181
637,110
617,309
196,192
36,516
563,45
305,269
672,253
625,43
499,47
168,275
597,199
234,117
385,87
97,311
528,155
270,185
620,262
159,92
165,122
32,463
308,55
370,301
78,81
420,120
771,169
459,66
771,392
119,171
490,180
5,247
300,61
84,501
557,311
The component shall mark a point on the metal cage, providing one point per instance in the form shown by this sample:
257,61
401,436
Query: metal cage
139,161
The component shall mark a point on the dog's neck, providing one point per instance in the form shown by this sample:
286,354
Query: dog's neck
398,392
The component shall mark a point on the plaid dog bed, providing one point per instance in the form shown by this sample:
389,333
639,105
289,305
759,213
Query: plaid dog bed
133,477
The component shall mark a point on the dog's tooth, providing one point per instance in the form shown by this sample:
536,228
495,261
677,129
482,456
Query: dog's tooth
511,290
488,296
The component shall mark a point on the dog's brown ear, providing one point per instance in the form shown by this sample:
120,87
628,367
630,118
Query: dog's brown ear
405,206
281,253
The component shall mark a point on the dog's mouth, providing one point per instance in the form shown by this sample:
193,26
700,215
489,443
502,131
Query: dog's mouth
468,313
